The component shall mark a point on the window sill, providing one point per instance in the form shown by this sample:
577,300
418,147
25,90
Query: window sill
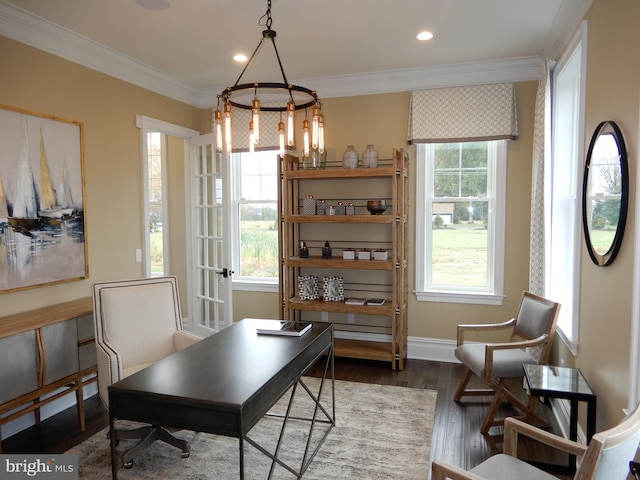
571,343
249,286
460,297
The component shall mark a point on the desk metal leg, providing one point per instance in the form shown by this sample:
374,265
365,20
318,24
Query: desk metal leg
329,419
241,442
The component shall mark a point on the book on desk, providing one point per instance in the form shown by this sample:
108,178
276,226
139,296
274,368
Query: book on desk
282,327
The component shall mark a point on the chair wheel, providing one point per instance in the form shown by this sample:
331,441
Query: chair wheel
128,465
185,454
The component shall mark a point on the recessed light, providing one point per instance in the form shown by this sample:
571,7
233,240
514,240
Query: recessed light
154,4
240,57
424,36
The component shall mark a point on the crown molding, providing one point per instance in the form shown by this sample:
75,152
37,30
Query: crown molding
24,27
402,80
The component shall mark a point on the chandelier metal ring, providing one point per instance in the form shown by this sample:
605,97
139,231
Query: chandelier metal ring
313,97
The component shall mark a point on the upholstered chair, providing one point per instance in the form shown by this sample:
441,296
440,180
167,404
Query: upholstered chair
530,335
606,457
137,322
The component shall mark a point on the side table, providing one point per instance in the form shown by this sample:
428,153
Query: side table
565,383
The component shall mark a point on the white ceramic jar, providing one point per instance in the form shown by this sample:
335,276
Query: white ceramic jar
350,158
370,157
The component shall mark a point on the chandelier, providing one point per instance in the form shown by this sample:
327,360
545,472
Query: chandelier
285,99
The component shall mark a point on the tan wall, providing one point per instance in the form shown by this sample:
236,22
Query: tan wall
39,82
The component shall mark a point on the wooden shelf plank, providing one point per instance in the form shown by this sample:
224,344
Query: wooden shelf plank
341,173
340,307
319,262
363,349
374,219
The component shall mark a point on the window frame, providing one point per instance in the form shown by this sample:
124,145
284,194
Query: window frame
496,180
257,284
576,50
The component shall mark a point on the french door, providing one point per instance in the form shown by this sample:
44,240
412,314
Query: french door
210,291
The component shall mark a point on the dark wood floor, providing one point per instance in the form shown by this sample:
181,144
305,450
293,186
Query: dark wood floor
456,437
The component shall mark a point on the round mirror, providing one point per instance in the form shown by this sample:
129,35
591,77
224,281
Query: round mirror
605,193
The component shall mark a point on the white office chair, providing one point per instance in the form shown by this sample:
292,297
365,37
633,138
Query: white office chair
137,322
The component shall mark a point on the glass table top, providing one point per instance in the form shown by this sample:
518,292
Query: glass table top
548,378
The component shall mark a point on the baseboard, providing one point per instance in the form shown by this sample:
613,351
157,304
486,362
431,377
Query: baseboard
433,349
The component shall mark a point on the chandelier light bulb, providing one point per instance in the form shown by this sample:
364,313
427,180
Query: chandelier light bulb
227,127
217,126
252,137
281,136
321,134
315,120
255,108
290,122
305,129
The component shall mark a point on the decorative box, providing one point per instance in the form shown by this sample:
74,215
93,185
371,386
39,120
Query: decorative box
303,251
349,254
326,250
364,254
321,207
380,255
308,287
340,209
309,205
333,289
350,210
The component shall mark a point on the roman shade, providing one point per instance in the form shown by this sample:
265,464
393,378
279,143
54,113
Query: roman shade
463,114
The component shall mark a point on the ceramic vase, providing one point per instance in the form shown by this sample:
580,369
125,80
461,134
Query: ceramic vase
370,157
350,158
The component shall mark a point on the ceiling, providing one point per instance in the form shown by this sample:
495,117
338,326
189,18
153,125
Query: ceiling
189,46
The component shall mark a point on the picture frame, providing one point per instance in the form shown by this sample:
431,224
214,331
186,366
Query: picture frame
308,287
42,200
333,289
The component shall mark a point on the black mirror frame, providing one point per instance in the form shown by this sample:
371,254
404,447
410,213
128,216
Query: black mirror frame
610,255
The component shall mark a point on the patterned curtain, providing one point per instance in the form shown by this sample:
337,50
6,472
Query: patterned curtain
479,112
539,215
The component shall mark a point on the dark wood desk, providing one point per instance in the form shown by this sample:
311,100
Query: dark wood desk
223,384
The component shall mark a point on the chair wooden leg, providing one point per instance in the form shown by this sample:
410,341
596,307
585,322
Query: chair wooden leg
502,394
462,386
490,418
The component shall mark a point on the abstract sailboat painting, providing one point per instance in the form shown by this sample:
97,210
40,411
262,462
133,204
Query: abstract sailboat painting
42,200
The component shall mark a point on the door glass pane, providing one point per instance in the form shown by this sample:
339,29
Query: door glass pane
155,201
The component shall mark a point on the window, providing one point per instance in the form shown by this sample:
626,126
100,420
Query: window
564,224
460,221
255,219
157,201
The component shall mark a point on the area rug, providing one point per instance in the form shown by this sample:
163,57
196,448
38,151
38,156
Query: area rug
381,432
